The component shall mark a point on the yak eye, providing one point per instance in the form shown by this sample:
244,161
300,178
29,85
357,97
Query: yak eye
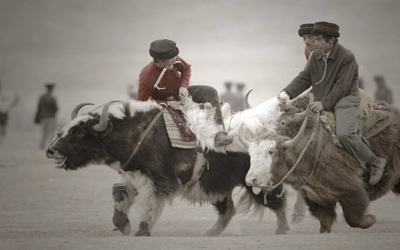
271,152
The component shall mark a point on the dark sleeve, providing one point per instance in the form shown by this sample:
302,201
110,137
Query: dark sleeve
299,84
343,83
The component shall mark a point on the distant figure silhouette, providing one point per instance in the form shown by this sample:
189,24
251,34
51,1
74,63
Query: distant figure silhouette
232,98
46,115
132,91
5,106
240,92
383,93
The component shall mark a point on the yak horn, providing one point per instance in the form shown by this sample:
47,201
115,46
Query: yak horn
300,115
243,140
293,143
102,126
246,100
75,111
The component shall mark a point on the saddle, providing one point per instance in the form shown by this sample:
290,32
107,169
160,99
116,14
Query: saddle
178,131
370,121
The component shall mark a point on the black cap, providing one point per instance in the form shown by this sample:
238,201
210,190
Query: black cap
305,29
325,28
163,49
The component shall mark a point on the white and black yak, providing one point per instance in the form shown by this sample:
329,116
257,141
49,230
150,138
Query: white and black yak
158,172
337,177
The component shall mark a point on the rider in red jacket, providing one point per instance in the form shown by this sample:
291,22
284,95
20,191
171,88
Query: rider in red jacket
167,77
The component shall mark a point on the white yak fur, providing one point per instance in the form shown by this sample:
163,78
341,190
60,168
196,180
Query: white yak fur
261,119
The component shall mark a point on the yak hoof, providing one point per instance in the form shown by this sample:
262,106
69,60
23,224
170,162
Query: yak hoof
282,230
367,221
121,221
141,233
143,230
325,230
127,229
298,218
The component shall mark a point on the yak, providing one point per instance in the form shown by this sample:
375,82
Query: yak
158,172
282,156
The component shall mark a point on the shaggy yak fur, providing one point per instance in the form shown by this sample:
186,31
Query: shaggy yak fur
338,177
158,172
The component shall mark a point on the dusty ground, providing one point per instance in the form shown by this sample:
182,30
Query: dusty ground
46,208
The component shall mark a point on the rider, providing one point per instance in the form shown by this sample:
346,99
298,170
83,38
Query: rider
308,39
175,73
332,71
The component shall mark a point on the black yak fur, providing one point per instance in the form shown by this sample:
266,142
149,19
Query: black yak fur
168,169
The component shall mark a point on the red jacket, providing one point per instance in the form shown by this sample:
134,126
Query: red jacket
307,52
171,81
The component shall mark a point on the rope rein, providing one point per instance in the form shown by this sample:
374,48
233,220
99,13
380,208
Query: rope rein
326,66
142,137
298,159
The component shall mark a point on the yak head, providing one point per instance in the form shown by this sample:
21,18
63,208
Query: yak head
270,154
81,142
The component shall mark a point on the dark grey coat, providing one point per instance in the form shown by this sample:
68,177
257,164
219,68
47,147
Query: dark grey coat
340,79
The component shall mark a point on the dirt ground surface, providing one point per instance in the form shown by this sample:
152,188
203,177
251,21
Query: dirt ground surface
47,208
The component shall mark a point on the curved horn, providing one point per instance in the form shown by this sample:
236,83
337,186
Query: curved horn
300,115
246,100
75,111
102,126
243,140
293,142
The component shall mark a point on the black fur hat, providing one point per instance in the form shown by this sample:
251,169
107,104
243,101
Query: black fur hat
305,29
163,49
325,28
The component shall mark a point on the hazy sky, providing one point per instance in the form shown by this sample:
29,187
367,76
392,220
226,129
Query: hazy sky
93,49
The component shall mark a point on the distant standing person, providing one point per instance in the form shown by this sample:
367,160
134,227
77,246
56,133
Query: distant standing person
240,92
383,93
232,98
5,106
46,115
132,91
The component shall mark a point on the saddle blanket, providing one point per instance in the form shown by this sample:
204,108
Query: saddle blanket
367,119
179,133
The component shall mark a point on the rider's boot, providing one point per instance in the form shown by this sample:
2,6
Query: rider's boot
377,167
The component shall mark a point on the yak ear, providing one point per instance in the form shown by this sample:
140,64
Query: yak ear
108,131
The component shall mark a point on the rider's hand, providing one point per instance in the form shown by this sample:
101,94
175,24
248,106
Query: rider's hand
177,105
316,107
283,97
183,92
